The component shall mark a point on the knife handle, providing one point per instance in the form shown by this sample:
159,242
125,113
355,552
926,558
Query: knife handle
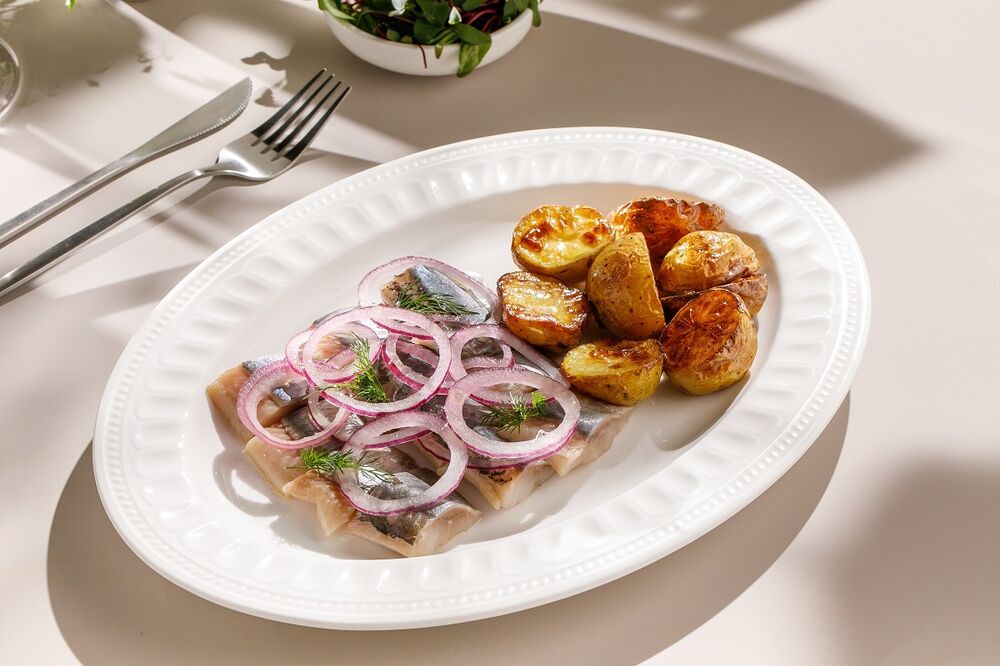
71,243
16,226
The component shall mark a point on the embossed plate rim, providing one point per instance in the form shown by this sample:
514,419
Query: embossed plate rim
542,584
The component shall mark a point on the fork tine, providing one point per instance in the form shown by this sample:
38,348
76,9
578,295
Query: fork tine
273,136
308,138
305,121
267,124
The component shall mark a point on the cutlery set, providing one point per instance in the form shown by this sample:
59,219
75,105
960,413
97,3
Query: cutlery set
260,155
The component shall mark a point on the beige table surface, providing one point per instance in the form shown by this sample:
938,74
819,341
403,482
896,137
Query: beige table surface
882,545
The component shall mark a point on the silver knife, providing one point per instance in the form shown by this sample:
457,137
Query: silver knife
215,114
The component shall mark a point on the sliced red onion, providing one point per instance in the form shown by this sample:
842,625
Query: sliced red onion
259,386
380,313
408,331
372,434
483,362
370,287
293,349
540,446
476,461
393,437
487,396
399,368
336,368
314,404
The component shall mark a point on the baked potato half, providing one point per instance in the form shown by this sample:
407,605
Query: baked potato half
705,259
622,373
560,241
542,310
622,289
664,221
709,344
752,289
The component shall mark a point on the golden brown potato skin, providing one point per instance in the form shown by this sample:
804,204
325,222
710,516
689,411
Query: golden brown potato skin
752,289
664,221
705,259
542,310
560,241
622,289
622,373
709,344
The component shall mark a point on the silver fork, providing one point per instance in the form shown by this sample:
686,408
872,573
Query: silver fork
264,153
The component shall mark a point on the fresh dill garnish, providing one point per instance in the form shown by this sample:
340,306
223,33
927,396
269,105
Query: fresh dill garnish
512,416
328,463
365,385
411,298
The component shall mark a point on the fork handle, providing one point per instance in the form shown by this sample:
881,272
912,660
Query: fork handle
71,243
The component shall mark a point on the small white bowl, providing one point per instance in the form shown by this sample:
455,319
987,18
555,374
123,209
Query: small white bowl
406,58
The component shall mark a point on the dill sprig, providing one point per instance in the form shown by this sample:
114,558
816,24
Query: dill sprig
365,385
329,463
512,416
411,298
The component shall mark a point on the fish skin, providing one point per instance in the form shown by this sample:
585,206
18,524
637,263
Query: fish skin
254,364
285,394
431,281
416,532
598,425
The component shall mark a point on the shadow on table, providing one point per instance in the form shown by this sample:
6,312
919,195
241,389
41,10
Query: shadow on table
111,608
198,217
571,72
920,582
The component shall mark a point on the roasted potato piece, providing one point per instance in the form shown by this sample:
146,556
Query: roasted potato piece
560,241
664,221
709,344
705,259
622,373
542,310
622,288
752,289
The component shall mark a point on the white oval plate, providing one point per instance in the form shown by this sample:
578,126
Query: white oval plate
178,490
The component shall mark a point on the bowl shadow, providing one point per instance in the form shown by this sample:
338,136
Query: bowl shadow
593,75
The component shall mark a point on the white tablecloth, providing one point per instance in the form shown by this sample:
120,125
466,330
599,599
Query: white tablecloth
880,546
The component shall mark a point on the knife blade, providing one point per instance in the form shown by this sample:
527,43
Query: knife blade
206,119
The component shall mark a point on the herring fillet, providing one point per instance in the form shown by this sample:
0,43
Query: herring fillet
501,488
597,428
413,533
332,508
410,534
225,390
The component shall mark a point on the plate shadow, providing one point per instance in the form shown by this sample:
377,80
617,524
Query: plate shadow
111,608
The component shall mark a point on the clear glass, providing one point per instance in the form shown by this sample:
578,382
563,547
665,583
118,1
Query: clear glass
10,78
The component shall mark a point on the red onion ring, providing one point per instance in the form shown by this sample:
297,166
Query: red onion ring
408,331
257,387
483,362
460,338
293,351
335,369
320,419
531,449
403,372
476,461
370,287
377,313
369,436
